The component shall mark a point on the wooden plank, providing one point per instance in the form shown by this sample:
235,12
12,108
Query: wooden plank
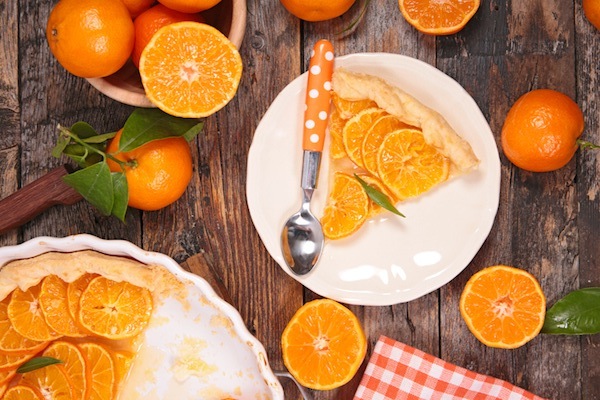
9,161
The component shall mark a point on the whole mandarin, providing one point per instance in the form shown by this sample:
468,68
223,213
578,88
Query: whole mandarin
317,10
190,6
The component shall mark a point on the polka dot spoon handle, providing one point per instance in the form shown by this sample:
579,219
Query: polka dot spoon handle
318,96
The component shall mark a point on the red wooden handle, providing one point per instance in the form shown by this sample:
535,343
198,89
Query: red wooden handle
318,96
29,201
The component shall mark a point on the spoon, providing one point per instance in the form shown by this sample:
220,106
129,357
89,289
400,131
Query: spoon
303,391
302,237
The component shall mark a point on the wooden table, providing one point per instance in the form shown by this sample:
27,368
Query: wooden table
547,223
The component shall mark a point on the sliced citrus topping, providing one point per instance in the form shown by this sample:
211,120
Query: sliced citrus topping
323,345
101,371
438,17
12,341
23,392
115,310
74,363
349,108
347,207
52,381
408,166
122,360
374,137
26,315
355,130
190,69
503,306
55,307
378,185
336,126
12,360
74,291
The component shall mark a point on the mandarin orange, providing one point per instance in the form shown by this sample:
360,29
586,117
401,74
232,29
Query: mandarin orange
438,17
347,207
591,9
51,380
136,7
26,316
317,10
101,372
74,363
355,130
190,6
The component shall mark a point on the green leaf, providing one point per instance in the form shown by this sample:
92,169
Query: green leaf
61,144
578,313
587,145
95,184
83,130
121,195
99,139
37,363
378,197
147,124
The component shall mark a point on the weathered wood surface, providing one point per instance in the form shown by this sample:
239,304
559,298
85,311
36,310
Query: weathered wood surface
547,223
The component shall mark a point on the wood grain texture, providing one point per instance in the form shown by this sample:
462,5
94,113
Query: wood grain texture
547,223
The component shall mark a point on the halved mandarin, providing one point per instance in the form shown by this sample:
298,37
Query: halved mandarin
355,130
55,307
347,207
74,363
409,166
349,108
114,310
26,315
374,137
101,372
52,381
12,341
438,17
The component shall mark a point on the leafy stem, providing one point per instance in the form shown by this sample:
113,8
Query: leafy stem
356,21
69,135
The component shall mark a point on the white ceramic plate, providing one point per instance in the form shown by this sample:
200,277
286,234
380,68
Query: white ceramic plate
389,260
236,361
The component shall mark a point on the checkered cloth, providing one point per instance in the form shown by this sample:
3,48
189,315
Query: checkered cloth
398,371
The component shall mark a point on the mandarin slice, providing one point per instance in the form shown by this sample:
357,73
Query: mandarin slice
10,361
74,363
12,341
54,303
52,381
336,126
355,130
438,17
349,108
503,306
323,345
23,392
74,291
122,360
114,310
347,207
101,373
409,166
190,69
26,315
374,137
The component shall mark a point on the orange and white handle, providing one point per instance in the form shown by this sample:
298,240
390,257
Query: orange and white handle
318,96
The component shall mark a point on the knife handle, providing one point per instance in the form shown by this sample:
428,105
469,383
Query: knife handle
318,96
35,197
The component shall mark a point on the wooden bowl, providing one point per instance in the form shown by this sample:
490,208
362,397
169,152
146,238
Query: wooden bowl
125,85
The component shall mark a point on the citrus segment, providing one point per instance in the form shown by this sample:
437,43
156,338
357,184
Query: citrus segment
503,306
409,166
55,307
52,381
355,130
190,69
438,17
74,363
349,108
22,392
101,373
74,291
10,340
336,126
323,345
374,137
347,207
26,315
115,310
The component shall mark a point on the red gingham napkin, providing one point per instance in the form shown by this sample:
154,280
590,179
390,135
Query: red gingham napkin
398,371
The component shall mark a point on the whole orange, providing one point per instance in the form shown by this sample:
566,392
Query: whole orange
157,172
317,10
541,129
591,9
136,7
90,38
150,21
190,6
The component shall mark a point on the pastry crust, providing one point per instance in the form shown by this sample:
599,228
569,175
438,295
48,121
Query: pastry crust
436,130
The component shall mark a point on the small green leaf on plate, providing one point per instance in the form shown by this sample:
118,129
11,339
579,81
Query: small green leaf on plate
378,197
578,313
95,184
37,363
